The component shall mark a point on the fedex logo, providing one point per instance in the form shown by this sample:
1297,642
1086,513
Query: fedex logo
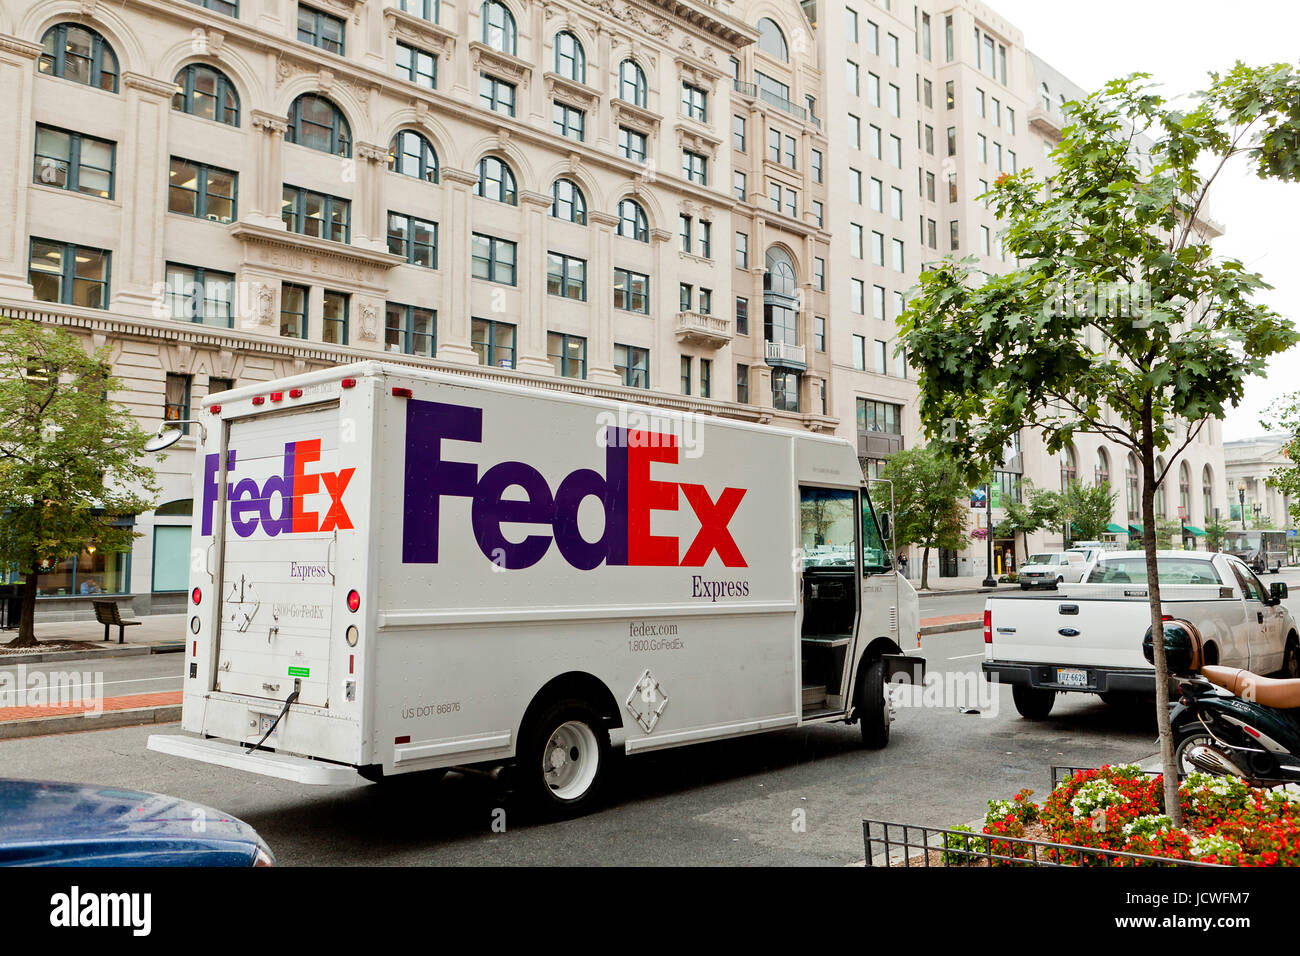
251,505
626,493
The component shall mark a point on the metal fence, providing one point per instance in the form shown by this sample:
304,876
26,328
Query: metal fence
1061,774
908,845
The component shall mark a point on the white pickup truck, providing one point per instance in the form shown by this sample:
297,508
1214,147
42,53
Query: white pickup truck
1087,637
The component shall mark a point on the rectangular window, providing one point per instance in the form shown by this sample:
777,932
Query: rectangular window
895,101
706,240
69,274
818,211
817,165
931,233
898,255
947,39
851,76
984,240
878,301
410,330
320,30
952,234
685,295
293,310
684,232
855,240
742,316
315,214
774,145
742,250
880,417
898,303
694,103
896,203
566,276
706,378
742,384
568,354
979,104
738,185
873,38
493,342
819,333
738,133
334,318
202,191
415,240
819,273
493,259
633,365
891,49
568,122
859,353
217,385
929,139
200,295
74,162
631,144
881,367
631,291
877,249
855,131
791,203
925,35
997,112
695,167
896,152
686,375
231,9
496,95
873,89
949,96
1011,160
952,187
417,66
929,186
791,152
928,87
982,147
706,302
1011,120
873,142
857,289
851,23
785,390
176,399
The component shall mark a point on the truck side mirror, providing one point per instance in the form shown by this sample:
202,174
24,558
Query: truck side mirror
883,520
1277,591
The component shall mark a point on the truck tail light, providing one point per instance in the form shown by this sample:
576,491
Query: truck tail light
277,396
349,383
354,601
196,595
259,400
215,409
295,393
400,392
988,626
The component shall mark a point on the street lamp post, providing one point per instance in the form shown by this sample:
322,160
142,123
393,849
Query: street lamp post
989,580
1241,501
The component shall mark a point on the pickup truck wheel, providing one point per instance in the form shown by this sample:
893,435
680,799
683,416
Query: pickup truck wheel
563,759
1033,703
873,707
1291,660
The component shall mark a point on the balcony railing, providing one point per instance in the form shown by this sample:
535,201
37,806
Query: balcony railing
780,353
701,328
745,89
776,99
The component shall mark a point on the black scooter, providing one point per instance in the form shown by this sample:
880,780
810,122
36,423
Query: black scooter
1227,721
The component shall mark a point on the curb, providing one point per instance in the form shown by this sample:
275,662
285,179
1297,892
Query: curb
125,650
71,723
939,592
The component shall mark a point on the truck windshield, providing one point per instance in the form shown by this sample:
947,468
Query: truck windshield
1171,570
875,553
1040,559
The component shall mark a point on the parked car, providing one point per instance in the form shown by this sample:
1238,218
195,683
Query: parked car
1088,638
43,823
1047,569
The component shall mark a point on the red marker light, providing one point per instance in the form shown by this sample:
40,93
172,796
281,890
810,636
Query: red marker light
988,626
401,392
215,409
402,740
197,595
259,400
354,601
195,651
295,393
349,383
277,396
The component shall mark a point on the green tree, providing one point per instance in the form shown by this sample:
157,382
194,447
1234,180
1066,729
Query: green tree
927,509
1120,320
69,458
1037,511
1090,509
1285,417
1215,532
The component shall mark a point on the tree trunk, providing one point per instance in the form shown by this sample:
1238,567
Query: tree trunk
27,625
1173,808
925,568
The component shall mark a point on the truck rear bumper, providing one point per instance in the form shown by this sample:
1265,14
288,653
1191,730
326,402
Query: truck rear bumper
226,754
1100,680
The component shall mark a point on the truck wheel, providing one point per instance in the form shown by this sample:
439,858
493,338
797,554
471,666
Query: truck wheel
873,707
1291,659
563,759
1033,703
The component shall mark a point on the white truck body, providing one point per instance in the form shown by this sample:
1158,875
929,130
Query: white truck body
1087,637
503,541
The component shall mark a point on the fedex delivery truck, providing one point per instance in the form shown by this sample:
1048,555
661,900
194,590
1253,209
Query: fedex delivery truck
399,571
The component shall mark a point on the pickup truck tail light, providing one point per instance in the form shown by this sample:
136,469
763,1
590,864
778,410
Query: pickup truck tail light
988,626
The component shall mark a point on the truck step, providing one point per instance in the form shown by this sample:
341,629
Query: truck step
813,695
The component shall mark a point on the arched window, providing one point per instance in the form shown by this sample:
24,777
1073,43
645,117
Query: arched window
78,53
567,202
1158,508
496,181
1185,490
771,40
1132,487
632,222
1207,494
499,30
780,298
1102,475
570,60
412,155
205,91
317,123
631,83
428,9
1069,467
1047,97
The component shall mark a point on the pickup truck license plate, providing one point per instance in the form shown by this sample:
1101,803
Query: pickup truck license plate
1071,677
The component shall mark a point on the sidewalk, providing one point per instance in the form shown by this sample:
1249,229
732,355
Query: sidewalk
154,634
958,585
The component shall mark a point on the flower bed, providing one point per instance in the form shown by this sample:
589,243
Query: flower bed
1121,808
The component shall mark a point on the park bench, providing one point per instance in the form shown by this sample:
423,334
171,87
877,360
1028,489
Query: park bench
107,613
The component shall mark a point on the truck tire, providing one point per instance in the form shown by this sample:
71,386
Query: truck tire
1033,703
1290,659
563,760
873,707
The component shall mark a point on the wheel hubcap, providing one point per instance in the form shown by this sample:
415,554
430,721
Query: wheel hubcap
570,760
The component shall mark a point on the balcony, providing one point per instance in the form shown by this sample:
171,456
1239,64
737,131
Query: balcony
700,328
751,90
1046,123
785,356
878,444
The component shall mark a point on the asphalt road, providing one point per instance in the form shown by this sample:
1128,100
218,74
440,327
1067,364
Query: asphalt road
138,674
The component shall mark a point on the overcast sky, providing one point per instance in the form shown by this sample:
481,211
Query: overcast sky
1179,43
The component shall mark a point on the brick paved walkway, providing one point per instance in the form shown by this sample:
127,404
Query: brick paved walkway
125,702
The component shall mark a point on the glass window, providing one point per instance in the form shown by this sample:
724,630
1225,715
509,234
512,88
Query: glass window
69,274
695,167
631,144
566,276
819,273
632,222
1132,569
493,342
631,291
785,390
695,103
320,30
499,30
334,318
568,354
568,121
496,181
570,60
417,66
206,92
293,310
206,192
316,214
771,40
738,185
742,316
75,162
415,240
496,95
633,364
410,330
686,374
860,352
738,133
78,54
411,154
568,202
742,384
199,295
317,123
631,83
426,9
493,259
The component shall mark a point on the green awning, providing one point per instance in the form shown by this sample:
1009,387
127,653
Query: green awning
1193,530
1074,531
1135,530
1113,528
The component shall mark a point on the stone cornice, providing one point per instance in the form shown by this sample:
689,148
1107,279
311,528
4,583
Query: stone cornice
541,200
309,245
569,90
598,218
415,29
275,125
635,117
482,56
459,177
371,152
148,84
21,48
